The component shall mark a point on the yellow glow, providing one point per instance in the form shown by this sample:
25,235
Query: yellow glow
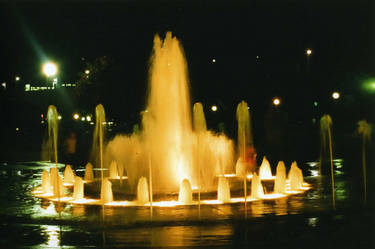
83,118
213,60
308,52
87,71
335,95
53,239
17,78
76,116
49,69
88,118
214,108
59,117
276,101
250,176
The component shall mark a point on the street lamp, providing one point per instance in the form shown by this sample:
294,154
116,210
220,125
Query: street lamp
308,52
276,101
17,78
335,95
49,69
214,108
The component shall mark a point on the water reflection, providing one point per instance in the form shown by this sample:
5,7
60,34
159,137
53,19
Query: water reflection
173,236
52,234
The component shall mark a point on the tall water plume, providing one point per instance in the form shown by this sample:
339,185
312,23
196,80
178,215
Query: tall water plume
98,139
326,138
167,143
49,147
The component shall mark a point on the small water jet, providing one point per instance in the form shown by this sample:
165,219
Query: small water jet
325,134
57,183
106,194
364,129
142,191
46,182
295,177
89,173
256,187
49,147
69,174
244,139
265,169
113,172
186,194
280,181
78,192
223,190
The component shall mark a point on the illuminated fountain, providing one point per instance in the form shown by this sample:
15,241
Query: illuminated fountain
173,154
265,169
280,181
89,173
68,175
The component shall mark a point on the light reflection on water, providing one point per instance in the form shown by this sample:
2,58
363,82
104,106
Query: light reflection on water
52,234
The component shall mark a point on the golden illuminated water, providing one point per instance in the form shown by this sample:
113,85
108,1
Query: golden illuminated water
167,143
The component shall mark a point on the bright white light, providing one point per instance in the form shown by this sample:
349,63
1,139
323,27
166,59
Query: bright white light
308,52
18,78
213,60
87,71
59,117
88,118
214,108
276,101
76,116
17,129
83,118
49,69
335,95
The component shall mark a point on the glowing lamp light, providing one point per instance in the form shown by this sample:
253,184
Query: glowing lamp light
59,117
214,108
76,116
18,78
83,118
87,71
213,60
49,69
88,118
335,95
276,101
308,52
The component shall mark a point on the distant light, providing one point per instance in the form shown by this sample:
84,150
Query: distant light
88,118
41,115
248,107
369,85
18,78
59,117
335,95
308,52
76,116
315,103
257,57
83,118
214,108
87,71
213,60
276,101
55,80
17,129
4,85
27,87
49,69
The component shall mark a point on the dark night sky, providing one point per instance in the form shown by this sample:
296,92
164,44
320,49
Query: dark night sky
233,34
